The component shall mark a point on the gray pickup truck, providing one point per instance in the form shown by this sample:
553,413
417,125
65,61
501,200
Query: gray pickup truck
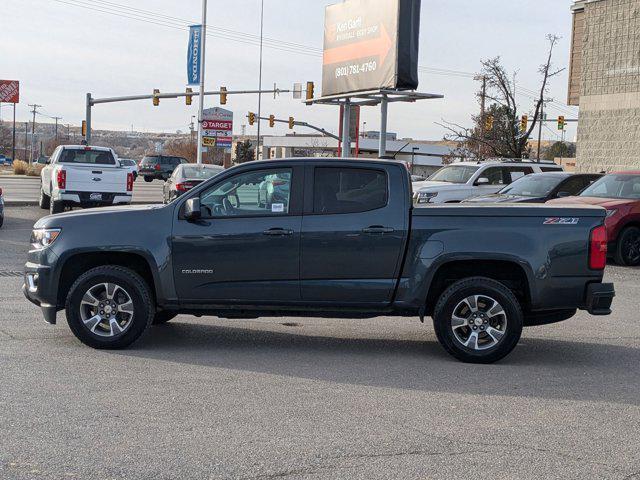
336,238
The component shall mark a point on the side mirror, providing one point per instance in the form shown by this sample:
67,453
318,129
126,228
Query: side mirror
482,181
192,209
563,194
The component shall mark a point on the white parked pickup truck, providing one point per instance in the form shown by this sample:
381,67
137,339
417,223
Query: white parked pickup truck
78,175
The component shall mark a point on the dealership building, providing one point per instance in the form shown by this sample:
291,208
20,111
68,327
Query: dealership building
604,81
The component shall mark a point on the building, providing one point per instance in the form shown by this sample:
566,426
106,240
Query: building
604,80
423,157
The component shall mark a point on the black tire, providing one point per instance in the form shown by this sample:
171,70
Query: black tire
147,178
44,200
140,297
55,206
454,296
627,251
163,316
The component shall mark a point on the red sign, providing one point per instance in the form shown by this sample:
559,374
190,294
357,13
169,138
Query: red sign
9,91
217,125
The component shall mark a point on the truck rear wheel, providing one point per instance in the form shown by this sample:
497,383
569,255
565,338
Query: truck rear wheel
147,178
109,307
478,320
55,206
44,200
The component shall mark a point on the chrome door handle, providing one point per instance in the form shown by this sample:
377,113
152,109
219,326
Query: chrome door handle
377,229
277,232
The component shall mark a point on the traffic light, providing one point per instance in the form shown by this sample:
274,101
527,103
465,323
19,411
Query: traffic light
310,89
84,128
291,123
223,95
272,120
188,98
252,118
156,100
524,123
488,123
561,122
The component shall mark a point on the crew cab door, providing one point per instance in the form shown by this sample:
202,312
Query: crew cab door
242,251
353,233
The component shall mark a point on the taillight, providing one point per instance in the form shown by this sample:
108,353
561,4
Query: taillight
0,192
182,187
129,182
62,179
157,167
598,248
277,183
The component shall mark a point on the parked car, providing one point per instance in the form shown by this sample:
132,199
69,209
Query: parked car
159,166
130,165
1,208
5,160
275,189
417,178
619,193
475,269
459,181
539,188
185,177
79,175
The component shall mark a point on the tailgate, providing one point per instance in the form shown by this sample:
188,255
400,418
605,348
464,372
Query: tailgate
96,178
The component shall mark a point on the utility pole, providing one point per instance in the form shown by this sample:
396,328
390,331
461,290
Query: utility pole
13,144
192,128
202,71
26,138
68,129
541,119
56,119
33,130
260,79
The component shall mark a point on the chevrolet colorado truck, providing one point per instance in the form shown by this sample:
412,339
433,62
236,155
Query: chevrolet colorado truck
78,175
342,240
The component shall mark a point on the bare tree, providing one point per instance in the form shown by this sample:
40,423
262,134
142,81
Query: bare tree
497,132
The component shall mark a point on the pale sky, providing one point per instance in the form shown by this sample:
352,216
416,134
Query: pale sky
62,49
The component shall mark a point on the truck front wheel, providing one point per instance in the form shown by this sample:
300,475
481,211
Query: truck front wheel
478,320
109,307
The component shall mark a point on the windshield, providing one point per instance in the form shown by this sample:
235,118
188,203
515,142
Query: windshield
615,186
150,160
127,163
454,174
96,157
200,173
533,185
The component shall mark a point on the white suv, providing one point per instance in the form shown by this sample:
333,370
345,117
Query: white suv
459,181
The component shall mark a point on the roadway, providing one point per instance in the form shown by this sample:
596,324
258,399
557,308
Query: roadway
313,398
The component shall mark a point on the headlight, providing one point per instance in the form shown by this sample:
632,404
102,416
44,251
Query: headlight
43,237
611,213
424,197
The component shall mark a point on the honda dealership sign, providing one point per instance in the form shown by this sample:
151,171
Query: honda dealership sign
370,44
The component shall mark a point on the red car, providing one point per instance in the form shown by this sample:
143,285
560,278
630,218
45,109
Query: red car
619,193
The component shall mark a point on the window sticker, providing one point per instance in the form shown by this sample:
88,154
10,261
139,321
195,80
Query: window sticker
277,207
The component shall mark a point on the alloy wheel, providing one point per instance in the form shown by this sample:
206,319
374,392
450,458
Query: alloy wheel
106,310
479,322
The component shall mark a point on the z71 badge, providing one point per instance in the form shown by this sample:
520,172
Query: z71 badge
561,221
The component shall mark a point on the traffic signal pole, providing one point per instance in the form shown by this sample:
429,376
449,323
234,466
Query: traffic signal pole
202,71
303,124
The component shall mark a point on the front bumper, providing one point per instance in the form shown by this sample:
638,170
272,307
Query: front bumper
599,297
38,289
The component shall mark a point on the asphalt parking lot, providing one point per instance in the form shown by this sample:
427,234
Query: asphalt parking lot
310,398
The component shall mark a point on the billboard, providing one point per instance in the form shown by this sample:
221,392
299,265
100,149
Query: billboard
193,55
9,91
217,127
370,44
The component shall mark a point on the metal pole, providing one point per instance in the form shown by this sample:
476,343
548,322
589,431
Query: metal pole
26,138
33,132
13,145
260,78
202,70
540,129
88,119
382,151
346,140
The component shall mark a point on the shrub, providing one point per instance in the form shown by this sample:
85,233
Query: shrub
20,167
34,170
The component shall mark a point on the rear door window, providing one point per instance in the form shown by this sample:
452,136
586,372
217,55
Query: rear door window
349,190
514,173
96,157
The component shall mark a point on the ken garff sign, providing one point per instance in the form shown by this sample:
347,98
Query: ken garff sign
369,45
193,55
